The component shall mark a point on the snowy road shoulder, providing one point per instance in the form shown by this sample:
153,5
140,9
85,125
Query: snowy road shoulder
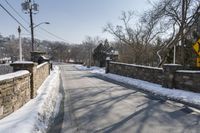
182,96
35,116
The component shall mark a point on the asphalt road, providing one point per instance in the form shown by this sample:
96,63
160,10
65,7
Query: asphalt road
95,105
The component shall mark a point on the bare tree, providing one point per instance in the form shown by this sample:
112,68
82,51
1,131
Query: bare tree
137,38
89,44
180,15
170,20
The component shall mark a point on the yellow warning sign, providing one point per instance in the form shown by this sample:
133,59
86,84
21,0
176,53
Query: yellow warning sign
198,62
196,47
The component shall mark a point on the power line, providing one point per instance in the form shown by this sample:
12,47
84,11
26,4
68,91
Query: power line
28,22
53,34
14,18
16,12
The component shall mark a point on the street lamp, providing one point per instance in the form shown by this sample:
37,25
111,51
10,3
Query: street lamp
34,54
40,24
32,33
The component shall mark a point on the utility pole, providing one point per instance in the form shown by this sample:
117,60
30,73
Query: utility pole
29,8
20,44
183,21
31,25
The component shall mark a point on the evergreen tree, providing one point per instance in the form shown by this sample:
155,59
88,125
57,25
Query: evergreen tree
100,53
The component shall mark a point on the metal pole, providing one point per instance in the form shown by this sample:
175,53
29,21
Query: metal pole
20,44
31,22
174,60
90,57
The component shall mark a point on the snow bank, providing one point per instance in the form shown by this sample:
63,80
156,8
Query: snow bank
174,94
188,71
35,116
23,62
40,65
13,75
84,68
134,65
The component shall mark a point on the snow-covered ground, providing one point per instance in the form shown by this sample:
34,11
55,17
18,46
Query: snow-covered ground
36,115
156,89
92,69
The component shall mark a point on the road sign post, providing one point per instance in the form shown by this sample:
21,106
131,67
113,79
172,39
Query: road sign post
198,62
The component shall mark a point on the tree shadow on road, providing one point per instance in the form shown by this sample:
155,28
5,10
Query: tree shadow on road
97,109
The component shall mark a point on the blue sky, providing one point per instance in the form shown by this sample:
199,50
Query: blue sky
71,20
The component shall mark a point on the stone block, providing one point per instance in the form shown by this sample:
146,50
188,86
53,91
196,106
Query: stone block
188,83
17,106
1,111
7,99
27,96
8,109
9,92
186,77
4,90
14,99
1,101
169,74
6,82
6,86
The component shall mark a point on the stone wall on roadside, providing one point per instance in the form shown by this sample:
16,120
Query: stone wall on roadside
151,74
14,91
42,72
19,87
38,73
187,80
170,76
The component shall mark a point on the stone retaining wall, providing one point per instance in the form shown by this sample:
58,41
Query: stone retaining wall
170,76
187,80
14,91
151,74
38,73
19,87
42,73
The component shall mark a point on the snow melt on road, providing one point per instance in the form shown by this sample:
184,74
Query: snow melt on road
174,94
36,115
